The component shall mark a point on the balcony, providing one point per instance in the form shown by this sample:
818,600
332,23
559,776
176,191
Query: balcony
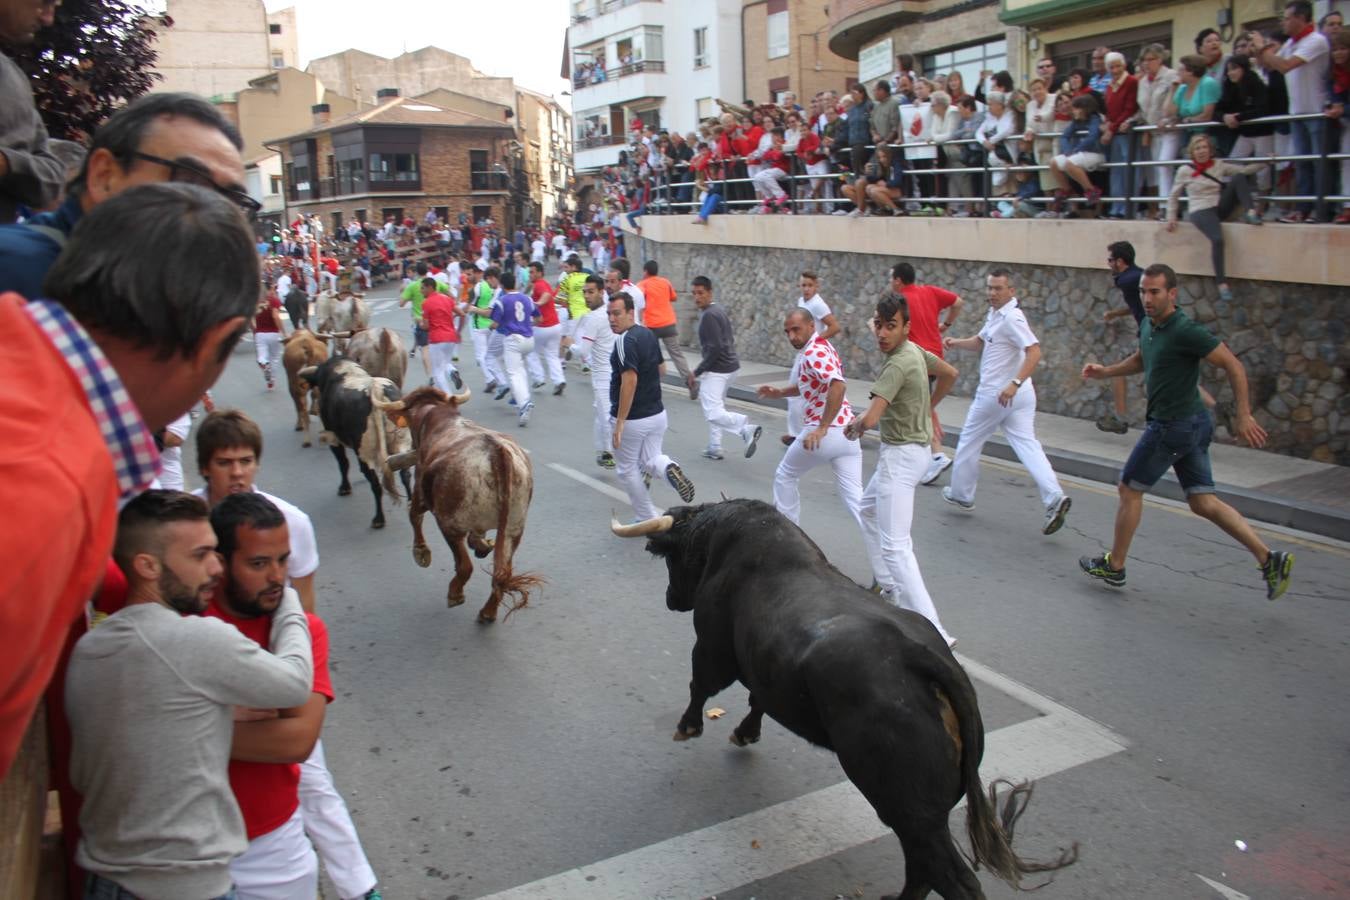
854,23
590,142
608,18
1046,12
622,84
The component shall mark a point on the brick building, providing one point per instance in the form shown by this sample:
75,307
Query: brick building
399,158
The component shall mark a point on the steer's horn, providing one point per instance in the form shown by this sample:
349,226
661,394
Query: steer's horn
386,405
638,529
461,399
307,371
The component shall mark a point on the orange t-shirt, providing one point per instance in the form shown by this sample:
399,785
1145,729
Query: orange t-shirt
660,294
56,468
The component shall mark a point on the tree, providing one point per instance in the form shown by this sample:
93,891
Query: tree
95,57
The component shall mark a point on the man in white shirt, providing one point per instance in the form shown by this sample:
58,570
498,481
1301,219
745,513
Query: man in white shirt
229,450
1304,59
593,340
1005,398
283,284
538,249
616,279
827,326
559,244
171,458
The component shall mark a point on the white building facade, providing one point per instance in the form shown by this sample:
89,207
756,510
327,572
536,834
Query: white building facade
659,63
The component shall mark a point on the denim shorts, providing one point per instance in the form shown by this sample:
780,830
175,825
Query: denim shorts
96,887
1179,444
421,337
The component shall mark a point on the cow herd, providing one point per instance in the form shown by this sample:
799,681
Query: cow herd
822,656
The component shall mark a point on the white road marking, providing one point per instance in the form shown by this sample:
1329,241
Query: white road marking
1223,889
607,489
721,857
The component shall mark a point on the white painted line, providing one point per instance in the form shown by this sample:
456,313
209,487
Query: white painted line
1223,889
720,857
596,484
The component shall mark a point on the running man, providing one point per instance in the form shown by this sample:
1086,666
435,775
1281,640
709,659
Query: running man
1179,430
1005,398
711,378
903,406
660,318
513,319
594,344
818,383
639,417
413,294
438,317
925,303
825,325
478,305
548,330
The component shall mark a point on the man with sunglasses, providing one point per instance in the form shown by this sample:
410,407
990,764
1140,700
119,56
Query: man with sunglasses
1045,69
156,138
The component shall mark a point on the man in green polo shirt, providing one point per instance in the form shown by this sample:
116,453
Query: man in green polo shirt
478,296
412,293
1179,429
572,294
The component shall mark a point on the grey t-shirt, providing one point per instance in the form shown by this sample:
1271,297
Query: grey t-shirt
149,695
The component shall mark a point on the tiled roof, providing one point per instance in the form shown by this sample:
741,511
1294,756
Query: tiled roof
404,111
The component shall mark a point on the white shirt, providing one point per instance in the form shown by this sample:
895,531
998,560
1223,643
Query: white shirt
639,300
818,309
537,250
1006,337
171,460
283,285
595,339
1308,83
304,559
454,274
559,241
917,146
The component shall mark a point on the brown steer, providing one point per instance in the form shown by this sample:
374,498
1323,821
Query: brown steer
473,481
303,348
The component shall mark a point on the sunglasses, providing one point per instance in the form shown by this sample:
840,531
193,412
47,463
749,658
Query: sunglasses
190,173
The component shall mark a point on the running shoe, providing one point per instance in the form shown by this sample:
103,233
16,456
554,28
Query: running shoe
537,384
557,391
525,414
787,440
456,380
680,482
489,387
1112,423
502,392
1092,195
713,453
605,460
1100,567
951,498
585,370
936,466
372,894
1055,513
752,442
1276,572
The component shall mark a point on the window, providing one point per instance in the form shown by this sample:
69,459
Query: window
338,224
361,216
274,28
393,212
443,213
395,167
701,48
1069,55
778,34
303,170
480,171
482,213
274,184
705,108
969,60
278,61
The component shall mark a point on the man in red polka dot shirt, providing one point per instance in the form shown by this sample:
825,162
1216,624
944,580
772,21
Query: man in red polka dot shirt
819,382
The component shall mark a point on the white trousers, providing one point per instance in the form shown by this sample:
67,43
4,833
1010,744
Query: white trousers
267,344
1018,421
796,406
487,364
602,429
279,865
442,357
329,280
546,341
640,451
330,827
712,396
1164,145
843,455
887,517
766,181
515,349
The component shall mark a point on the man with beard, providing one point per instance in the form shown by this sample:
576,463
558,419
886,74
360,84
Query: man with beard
150,694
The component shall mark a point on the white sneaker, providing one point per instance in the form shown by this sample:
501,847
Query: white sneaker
936,466
951,498
1055,513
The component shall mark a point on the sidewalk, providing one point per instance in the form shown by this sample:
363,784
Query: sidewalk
1268,487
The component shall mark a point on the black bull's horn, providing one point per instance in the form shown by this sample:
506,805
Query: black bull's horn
638,529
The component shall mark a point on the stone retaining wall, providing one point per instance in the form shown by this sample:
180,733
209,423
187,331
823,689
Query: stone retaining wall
1290,337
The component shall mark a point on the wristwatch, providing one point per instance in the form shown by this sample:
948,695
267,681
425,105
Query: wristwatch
1017,381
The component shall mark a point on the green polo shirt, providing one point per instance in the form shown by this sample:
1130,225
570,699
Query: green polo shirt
903,384
482,299
412,293
1172,351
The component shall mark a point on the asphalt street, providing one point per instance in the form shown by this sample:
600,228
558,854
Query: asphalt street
1166,722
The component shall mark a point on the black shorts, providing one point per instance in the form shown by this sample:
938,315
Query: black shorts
420,336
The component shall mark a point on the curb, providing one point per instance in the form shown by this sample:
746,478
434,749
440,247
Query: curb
1253,504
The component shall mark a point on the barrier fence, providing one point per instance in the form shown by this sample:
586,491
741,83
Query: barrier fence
736,187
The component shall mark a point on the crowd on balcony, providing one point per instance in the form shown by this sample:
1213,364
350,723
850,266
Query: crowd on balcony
1130,137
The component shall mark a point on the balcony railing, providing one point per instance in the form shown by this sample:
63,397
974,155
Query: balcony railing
488,181
599,140
609,6
587,78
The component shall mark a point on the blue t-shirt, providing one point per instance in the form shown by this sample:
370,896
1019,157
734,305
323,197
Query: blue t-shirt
514,314
26,254
636,350
1193,101
1128,282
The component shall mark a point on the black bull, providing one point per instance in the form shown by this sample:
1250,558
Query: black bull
835,665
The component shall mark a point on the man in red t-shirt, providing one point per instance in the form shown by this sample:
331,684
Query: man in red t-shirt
925,329
548,328
268,745
267,335
328,272
438,317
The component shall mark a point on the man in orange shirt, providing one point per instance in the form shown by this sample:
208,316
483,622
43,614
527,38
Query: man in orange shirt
660,318
125,345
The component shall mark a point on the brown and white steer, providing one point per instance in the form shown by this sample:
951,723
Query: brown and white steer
473,481
303,349
380,351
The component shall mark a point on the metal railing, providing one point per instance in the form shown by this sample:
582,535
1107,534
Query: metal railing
599,140
675,192
588,79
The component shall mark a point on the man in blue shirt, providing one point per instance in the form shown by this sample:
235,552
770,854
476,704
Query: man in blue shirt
638,414
513,319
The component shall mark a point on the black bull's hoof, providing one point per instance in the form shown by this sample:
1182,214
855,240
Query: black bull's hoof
741,740
683,733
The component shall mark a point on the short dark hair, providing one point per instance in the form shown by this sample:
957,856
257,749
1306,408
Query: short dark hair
1123,251
904,271
247,508
1086,102
1169,275
1001,272
811,275
429,284
621,265
124,131
507,279
223,429
651,267
139,522
158,266
890,304
573,260
537,266
1200,38
623,296
884,86
1196,65
595,280
702,281
1301,8
492,271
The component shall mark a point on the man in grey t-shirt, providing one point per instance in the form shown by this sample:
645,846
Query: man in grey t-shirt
150,695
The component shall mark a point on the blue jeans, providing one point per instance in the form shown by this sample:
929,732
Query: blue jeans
711,203
1308,135
1179,444
641,210
96,887
1118,151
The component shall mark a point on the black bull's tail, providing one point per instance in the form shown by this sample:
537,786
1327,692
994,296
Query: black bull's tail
989,827
503,581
